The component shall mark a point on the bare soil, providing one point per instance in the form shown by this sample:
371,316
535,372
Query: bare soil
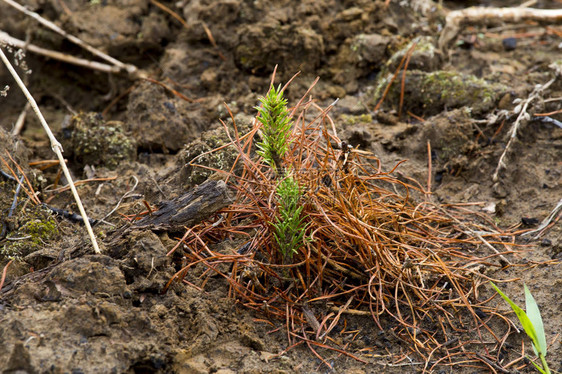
65,310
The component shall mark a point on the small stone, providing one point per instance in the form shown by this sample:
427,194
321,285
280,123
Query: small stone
490,208
546,242
499,190
509,44
506,101
529,221
429,93
424,57
225,371
350,105
371,47
387,118
266,356
209,78
336,91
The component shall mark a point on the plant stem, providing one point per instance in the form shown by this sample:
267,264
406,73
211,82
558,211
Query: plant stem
544,364
55,145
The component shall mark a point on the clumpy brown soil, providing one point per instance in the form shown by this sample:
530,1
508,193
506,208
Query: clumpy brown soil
65,310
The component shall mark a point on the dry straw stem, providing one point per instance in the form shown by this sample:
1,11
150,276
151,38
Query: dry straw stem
553,216
371,248
94,65
456,19
55,145
132,70
522,117
20,121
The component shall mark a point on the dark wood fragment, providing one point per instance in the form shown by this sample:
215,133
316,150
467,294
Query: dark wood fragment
188,210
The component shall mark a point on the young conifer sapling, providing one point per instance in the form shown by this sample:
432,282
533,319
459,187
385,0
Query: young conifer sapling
289,226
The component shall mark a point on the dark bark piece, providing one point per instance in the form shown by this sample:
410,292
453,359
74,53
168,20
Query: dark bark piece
188,210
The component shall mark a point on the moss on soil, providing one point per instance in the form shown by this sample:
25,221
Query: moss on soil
93,141
37,226
430,93
350,120
221,160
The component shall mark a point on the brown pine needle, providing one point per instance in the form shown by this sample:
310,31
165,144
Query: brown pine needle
403,83
4,272
170,89
170,12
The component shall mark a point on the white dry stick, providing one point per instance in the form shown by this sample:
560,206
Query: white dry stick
455,19
132,70
6,38
21,120
55,145
523,116
546,221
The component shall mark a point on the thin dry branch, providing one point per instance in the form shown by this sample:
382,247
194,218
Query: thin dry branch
132,70
522,117
458,18
546,222
55,145
94,65
20,121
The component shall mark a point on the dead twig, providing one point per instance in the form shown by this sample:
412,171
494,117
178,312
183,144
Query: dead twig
522,117
132,70
94,65
546,222
80,182
55,145
456,19
21,120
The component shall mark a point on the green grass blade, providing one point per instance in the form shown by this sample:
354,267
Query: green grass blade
534,315
523,318
538,367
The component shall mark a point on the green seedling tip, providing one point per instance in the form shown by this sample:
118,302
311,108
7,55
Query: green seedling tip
532,324
536,320
276,127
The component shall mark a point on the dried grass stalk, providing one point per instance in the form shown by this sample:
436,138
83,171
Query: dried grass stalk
55,145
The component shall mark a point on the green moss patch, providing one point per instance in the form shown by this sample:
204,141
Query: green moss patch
430,93
36,226
92,141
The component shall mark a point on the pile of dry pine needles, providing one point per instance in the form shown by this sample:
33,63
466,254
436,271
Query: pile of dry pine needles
371,249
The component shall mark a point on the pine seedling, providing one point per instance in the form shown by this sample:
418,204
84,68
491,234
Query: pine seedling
276,129
289,225
532,324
